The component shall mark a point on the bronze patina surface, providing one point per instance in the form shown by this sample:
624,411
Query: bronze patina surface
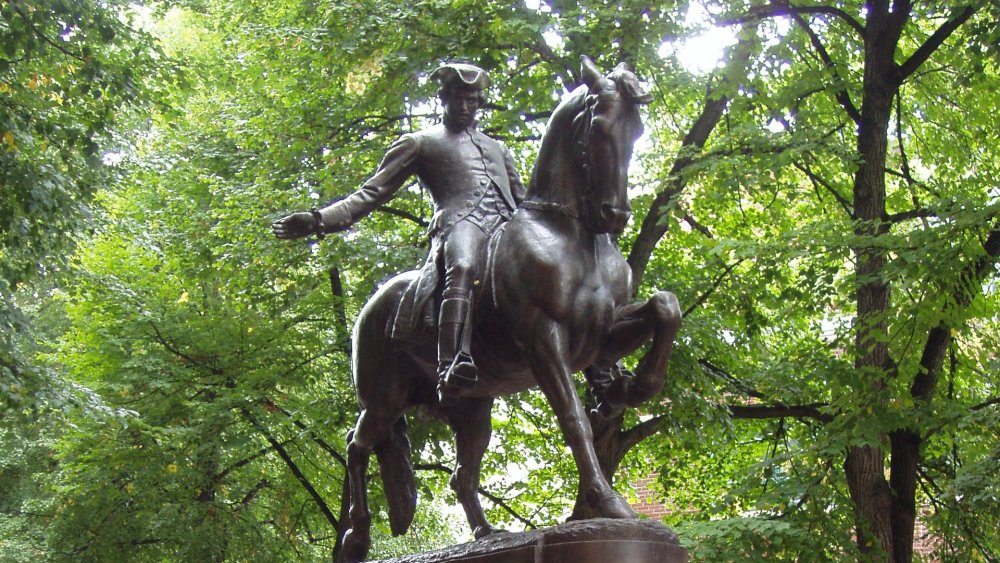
546,293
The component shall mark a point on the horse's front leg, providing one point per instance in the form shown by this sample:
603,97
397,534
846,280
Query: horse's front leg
547,352
470,420
658,318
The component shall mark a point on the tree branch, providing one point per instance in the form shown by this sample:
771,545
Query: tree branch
736,383
302,426
641,431
715,285
986,404
779,411
654,225
252,493
566,72
176,351
245,461
777,9
493,498
939,337
911,214
841,94
694,224
17,512
317,498
343,330
933,42
817,181
44,37
899,140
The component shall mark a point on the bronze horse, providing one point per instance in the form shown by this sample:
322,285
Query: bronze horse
555,299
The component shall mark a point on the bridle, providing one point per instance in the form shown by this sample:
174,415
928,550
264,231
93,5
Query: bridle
582,128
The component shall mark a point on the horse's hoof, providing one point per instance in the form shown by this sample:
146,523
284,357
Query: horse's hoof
354,548
613,506
482,531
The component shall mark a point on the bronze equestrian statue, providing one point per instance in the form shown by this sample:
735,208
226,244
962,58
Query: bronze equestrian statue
553,299
475,188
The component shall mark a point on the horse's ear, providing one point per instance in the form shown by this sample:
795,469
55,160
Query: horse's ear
634,90
631,85
591,76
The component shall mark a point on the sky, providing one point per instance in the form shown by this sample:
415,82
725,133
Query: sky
698,54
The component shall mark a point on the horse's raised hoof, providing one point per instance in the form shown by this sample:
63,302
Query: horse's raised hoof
610,388
482,531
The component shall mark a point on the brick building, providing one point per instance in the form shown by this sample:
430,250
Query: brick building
648,505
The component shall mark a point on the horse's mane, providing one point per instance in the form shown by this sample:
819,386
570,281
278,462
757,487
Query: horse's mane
569,108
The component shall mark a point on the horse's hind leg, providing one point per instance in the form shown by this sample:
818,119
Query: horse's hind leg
658,318
370,429
357,540
470,420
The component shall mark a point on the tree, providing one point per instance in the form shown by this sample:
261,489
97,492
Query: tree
823,202
70,72
889,370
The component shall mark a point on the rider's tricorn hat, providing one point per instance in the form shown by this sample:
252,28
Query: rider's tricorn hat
462,75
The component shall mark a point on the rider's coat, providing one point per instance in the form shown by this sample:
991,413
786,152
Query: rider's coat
470,176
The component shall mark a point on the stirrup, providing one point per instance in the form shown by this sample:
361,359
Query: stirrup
461,373
610,398
454,380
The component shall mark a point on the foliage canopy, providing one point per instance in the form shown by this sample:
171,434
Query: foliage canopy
823,201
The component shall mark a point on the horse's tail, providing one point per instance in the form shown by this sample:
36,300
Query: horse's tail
398,480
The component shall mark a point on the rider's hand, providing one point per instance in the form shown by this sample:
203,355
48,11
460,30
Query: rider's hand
296,225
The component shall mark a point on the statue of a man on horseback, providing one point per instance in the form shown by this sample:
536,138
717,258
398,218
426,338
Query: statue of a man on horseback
554,295
475,187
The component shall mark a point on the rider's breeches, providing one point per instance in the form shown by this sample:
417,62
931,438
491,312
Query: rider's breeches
462,254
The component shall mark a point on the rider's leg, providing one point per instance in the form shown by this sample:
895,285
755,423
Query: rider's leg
461,257
600,380
451,330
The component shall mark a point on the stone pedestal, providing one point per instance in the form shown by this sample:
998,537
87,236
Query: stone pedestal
600,540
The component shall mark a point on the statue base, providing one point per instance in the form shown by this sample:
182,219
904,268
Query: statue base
599,540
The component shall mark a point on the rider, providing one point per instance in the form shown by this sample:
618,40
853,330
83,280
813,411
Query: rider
475,187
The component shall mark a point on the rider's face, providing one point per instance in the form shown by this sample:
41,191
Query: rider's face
460,107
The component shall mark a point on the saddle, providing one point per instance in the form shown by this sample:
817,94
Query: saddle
416,313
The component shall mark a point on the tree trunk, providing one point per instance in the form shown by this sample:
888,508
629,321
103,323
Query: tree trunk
865,465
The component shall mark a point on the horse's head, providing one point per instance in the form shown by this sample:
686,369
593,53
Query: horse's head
604,133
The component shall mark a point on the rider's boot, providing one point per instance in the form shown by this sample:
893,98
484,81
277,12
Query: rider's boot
456,372
608,386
